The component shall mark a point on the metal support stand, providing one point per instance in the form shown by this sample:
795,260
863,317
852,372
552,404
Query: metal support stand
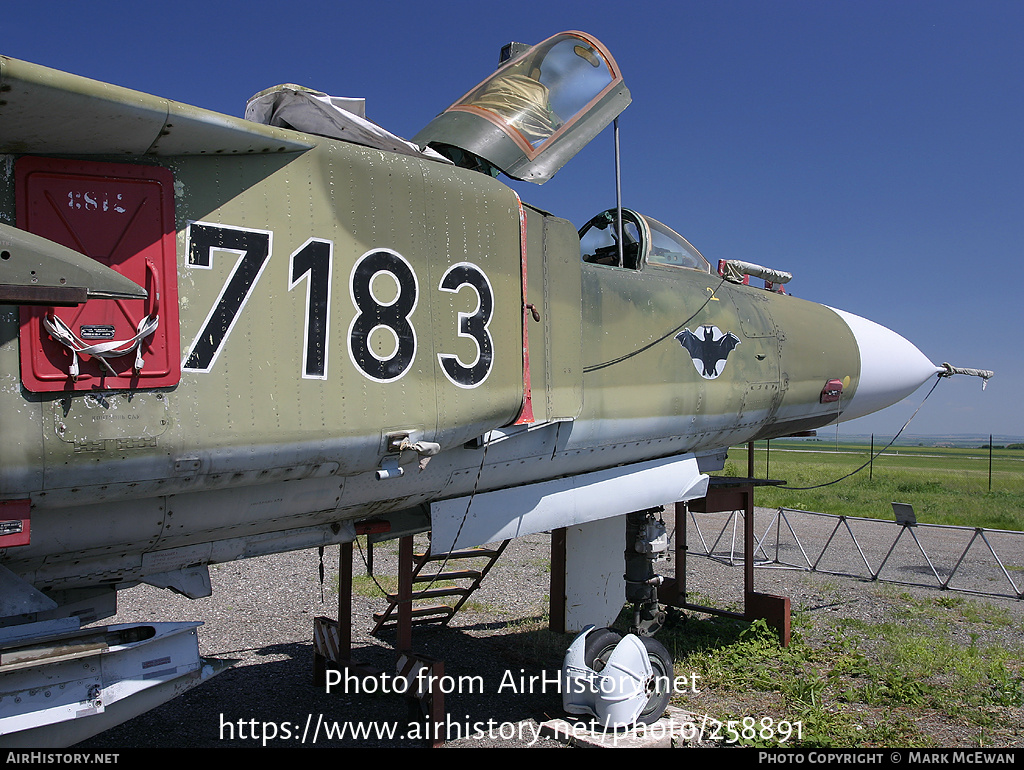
728,494
426,702
332,640
332,643
556,592
405,573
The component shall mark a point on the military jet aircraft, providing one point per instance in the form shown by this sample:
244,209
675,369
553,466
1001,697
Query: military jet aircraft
230,337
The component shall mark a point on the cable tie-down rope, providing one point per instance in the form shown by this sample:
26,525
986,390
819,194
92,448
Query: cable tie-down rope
935,384
101,351
948,371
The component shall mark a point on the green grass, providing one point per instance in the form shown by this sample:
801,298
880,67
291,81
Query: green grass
854,682
945,485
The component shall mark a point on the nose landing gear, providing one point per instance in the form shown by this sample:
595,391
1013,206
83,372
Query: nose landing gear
621,680
646,543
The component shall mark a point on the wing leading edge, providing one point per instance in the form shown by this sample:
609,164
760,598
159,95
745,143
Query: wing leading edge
48,112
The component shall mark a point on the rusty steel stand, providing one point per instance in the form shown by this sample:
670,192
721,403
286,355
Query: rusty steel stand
332,643
728,494
556,591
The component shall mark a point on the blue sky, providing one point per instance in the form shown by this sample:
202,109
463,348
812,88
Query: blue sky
873,149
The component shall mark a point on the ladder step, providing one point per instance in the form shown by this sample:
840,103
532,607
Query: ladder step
440,610
443,613
432,593
458,575
469,553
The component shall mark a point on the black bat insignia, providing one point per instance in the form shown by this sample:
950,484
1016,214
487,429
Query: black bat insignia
710,350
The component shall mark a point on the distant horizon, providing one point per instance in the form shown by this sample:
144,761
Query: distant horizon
828,435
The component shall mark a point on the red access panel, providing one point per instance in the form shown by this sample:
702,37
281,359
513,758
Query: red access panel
121,215
15,523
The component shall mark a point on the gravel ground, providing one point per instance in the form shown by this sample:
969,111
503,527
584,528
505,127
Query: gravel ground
262,610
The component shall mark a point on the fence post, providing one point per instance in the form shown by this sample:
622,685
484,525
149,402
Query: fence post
989,462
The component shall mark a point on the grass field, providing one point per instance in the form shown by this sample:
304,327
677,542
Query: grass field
860,683
876,682
945,485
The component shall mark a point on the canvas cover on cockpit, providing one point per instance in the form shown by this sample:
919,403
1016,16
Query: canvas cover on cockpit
314,112
536,111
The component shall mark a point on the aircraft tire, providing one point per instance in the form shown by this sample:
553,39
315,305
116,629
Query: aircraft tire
600,644
599,648
659,689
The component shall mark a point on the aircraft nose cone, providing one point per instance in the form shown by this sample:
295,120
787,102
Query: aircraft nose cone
891,367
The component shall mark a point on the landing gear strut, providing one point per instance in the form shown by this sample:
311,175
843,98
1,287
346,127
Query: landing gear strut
646,543
626,679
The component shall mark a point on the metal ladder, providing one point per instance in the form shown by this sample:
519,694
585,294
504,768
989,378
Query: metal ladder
437,613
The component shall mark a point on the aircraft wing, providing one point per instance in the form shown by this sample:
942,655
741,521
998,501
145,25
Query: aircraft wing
45,111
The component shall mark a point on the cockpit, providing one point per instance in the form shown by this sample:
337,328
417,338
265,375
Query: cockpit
645,241
527,119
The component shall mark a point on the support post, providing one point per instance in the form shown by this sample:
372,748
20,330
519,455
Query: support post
556,591
332,640
332,643
728,494
405,568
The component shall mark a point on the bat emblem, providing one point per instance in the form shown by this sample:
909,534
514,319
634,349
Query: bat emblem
708,348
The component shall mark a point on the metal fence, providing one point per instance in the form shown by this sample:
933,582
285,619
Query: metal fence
944,557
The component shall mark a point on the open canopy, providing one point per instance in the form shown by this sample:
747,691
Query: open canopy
535,112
